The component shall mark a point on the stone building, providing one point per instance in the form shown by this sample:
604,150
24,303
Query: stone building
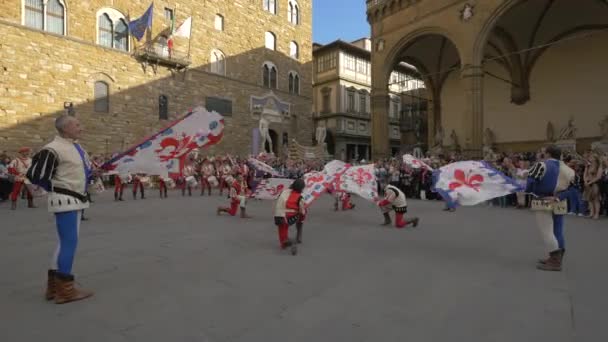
244,59
341,98
520,69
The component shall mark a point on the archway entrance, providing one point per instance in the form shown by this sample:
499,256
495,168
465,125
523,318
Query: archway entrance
416,87
544,64
275,142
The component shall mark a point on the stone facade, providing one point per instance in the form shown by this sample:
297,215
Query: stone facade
42,70
508,65
341,98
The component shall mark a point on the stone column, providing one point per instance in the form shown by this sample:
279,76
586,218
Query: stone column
380,125
472,80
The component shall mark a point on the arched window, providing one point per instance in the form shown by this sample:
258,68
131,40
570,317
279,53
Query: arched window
112,29
48,15
102,97
121,33
270,6
269,75
105,31
219,22
163,108
294,83
218,62
270,41
293,12
294,50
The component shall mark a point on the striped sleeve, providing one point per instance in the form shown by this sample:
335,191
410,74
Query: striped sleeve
537,171
44,164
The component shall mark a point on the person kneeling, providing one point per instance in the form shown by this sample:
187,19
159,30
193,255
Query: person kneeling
290,209
394,199
237,197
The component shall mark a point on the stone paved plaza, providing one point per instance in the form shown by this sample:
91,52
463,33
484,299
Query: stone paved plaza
173,271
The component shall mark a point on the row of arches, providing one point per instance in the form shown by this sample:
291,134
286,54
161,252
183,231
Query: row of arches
474,81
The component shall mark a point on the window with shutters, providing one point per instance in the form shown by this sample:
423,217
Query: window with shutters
112,29
270,41
294,50
294,83
293,12
47,15
269,75
270,6
102,97
326,102
218,62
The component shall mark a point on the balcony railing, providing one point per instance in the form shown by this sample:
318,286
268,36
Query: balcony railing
159,55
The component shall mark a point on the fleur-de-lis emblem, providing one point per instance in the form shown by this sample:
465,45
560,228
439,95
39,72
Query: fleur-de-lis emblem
180,147
470,181
361,177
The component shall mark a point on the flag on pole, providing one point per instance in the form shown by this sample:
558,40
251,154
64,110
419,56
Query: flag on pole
271,188
471,182
164,152
263,167
415,163
139,26
185,29
359,180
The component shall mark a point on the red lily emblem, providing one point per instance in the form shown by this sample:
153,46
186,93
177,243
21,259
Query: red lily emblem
314,179
472,181
180,147
362,176
277,190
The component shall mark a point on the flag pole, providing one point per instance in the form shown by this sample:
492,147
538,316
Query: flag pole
190,38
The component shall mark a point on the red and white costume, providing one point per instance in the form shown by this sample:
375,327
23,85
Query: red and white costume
137,183
225,171
187,175
18,168
207,172
289,209
394,199
237,197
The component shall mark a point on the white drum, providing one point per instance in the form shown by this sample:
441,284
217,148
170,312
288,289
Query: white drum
191,181
169,182
213,181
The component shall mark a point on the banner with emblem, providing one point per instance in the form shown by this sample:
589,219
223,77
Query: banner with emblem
166,150
271,188
415,163
469,183
359,180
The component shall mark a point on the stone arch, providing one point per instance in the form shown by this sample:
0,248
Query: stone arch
505,42
435,54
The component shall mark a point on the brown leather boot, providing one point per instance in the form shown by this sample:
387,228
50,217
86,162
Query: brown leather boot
51,285
561,257
66,292
13,205
30,203
554,263
414,222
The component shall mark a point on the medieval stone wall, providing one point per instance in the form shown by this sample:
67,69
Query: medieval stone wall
39,71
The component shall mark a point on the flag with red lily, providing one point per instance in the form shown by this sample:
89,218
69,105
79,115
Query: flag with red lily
316,185
167,150
271,188
359,180
415,163
472,182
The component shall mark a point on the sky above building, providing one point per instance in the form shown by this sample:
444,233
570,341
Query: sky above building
339,19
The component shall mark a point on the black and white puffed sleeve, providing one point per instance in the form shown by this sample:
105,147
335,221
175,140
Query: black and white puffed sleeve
44,165
537,171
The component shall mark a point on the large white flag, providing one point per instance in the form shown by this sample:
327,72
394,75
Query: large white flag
472,182
271,188
359,180
166,150
184,29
